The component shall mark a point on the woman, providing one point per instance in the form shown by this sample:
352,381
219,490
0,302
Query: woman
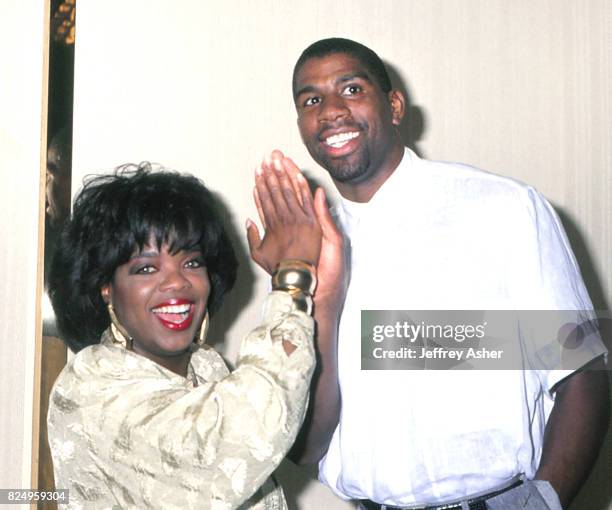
145,415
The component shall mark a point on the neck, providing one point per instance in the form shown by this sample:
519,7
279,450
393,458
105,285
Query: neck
177,364
364,190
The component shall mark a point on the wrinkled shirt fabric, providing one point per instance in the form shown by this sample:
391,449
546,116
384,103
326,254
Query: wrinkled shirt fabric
446,236
125,432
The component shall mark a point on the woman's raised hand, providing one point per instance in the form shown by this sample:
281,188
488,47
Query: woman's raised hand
287,213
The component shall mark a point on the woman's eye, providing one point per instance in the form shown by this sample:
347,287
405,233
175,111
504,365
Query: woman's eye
351,90
145,270
195,263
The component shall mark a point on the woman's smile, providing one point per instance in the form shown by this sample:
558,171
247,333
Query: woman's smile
160,299
175,314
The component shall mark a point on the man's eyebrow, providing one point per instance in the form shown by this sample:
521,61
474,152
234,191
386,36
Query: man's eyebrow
352,76
305,89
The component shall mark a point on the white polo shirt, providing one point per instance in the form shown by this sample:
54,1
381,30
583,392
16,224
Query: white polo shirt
441,236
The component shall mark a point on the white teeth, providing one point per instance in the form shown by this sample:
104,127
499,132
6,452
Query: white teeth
173,309
341,139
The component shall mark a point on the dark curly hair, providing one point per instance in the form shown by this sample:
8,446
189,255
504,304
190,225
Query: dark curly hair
118,214
370,60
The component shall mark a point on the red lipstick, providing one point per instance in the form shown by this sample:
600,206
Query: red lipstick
175,314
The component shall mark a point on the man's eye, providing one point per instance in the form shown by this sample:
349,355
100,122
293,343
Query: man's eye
311,101
351,90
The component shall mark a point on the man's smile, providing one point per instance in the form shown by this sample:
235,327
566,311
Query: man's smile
341,139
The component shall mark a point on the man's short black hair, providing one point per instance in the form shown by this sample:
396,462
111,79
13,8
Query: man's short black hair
365,55
115,216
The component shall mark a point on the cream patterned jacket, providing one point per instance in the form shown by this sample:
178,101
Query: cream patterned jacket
126,433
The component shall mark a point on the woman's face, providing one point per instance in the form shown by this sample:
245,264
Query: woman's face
160,299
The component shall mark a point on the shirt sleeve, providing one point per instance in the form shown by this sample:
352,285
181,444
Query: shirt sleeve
559,324
148,442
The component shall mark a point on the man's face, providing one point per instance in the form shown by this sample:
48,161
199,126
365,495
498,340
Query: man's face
346,121
58,186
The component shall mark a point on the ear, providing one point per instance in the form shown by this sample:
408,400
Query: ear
398,106
105,291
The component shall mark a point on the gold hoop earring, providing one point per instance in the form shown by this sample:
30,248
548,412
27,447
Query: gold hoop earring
120,335
201,339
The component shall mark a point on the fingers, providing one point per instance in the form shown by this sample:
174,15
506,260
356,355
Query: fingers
281,191
269,194
328,226
274,184
268,211
292,197
253,237
279,188
277,160
293,171
276,154
305,194
262,218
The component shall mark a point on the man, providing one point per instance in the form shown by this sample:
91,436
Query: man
58,177
424,235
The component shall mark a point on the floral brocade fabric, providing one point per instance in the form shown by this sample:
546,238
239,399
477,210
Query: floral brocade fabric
126,433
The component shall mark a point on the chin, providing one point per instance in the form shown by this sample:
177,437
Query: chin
352,167
348,171
175,348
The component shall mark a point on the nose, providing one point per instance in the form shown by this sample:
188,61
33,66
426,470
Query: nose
174,279
333,108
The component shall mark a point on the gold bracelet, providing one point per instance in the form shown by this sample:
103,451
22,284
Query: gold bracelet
301,300
299,279
295,275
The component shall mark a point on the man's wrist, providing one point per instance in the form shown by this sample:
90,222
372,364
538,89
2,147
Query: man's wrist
328,304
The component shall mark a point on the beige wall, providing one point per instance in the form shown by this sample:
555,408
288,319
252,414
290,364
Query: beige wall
21,96
520,87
